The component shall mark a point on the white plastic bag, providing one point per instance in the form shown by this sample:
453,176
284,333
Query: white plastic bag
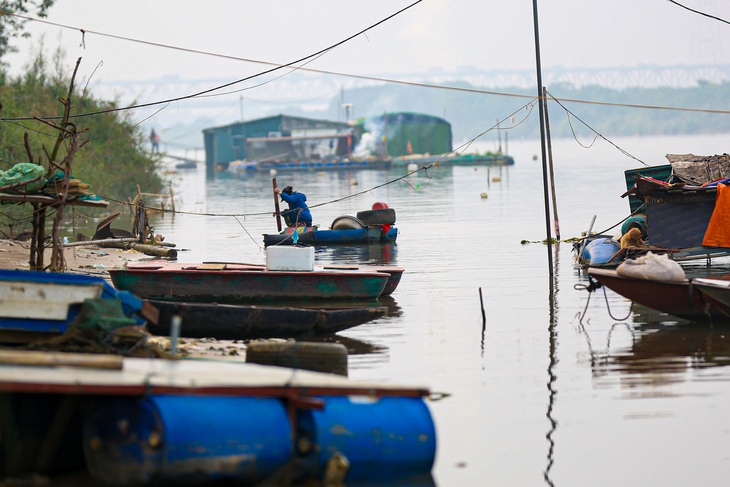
657,267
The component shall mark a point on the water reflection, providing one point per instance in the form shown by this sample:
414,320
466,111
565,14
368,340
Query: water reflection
664,351
354,346
375,254
393,309
552,362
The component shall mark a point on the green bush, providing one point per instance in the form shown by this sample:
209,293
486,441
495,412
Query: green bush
112,160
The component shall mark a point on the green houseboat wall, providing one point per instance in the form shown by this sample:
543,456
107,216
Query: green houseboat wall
427,134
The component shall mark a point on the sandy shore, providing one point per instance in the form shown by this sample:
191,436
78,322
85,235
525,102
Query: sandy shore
95,260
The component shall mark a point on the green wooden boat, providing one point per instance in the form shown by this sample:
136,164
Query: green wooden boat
242,283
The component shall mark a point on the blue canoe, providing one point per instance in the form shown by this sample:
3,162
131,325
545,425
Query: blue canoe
46,302
315,237
374,226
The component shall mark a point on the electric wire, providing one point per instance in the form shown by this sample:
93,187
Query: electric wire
276,66
210,90
698,12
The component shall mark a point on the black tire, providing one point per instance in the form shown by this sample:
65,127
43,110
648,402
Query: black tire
385,216
347,222
319,357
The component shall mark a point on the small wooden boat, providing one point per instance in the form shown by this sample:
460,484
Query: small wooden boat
186,165
245,283
34,304
682,299
241,322
454,159
717,288
368,227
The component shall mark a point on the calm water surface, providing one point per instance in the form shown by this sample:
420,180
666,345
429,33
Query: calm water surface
537,395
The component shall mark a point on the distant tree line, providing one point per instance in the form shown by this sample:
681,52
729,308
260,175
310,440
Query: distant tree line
472,113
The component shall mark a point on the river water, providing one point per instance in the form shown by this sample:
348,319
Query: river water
535,394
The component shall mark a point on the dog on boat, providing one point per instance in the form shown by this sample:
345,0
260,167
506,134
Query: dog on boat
632,238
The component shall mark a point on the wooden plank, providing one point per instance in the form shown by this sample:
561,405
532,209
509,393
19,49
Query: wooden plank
142,376
212,267
54,359
36,300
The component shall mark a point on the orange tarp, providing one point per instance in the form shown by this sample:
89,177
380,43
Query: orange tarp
718,230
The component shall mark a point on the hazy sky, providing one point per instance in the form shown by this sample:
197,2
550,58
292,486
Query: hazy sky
433,34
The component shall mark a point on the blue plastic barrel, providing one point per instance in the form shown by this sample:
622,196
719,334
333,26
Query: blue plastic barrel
601,251
169,438
382,439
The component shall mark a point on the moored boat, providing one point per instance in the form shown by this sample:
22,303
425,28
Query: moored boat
241,322
245,283
680,298
715,288
374,226
36,305
455,159
679,207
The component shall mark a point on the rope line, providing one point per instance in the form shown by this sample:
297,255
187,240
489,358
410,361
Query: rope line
598,134
593,286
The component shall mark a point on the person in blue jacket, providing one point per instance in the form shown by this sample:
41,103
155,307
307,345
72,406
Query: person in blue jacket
298,212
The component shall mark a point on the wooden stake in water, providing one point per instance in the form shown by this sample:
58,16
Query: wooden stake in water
481,301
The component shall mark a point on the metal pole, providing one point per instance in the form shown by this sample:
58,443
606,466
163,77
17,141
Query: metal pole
542,139
556,221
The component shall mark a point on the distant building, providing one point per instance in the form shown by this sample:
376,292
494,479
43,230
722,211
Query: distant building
278,136
282,138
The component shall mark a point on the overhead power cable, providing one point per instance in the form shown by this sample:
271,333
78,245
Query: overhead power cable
275,67
698,12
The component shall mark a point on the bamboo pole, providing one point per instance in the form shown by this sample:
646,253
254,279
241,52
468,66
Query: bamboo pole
276,206
55,359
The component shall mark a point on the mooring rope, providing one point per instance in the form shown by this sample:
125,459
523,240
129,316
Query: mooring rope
592,286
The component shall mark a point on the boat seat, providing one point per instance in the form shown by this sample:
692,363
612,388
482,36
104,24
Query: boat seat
212,267
347,222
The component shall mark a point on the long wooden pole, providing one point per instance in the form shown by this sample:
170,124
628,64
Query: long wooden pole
276,206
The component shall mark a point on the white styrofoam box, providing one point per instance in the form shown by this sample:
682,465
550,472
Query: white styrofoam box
285,258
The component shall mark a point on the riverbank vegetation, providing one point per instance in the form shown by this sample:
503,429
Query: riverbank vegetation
112,158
